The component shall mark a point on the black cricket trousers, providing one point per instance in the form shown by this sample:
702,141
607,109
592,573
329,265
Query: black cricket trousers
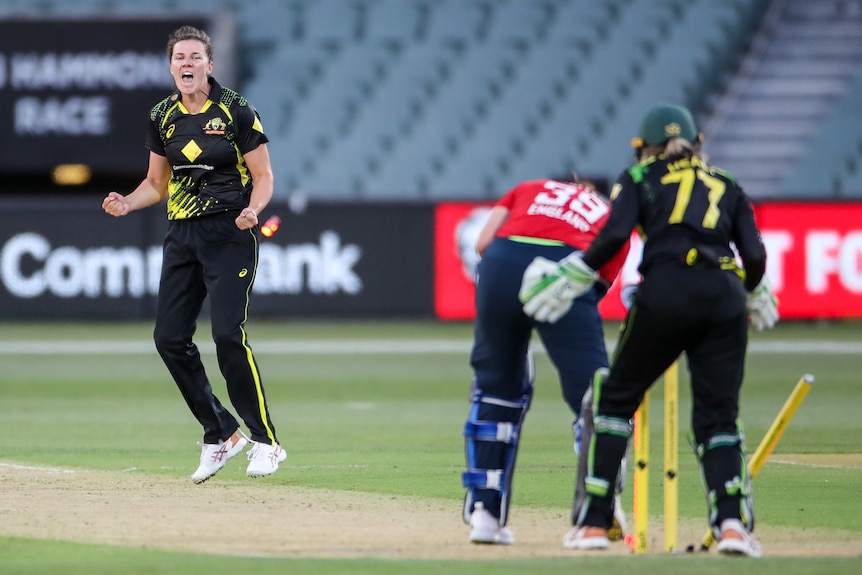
204,256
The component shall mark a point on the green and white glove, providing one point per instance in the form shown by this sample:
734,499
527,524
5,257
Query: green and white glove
762,306
548,288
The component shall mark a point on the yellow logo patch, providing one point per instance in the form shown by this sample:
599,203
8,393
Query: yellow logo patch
243,272
191,151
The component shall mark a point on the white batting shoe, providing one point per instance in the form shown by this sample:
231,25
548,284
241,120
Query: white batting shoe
485,528
263,459
586,538
214,456
736,540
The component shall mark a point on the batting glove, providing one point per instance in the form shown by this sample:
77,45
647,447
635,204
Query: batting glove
762,306
548,288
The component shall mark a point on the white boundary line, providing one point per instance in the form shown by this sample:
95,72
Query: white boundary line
367,347
37,468
811,464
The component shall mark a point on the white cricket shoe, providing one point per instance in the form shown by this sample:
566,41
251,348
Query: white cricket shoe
586,538
485,528
214,456
263,459
736,540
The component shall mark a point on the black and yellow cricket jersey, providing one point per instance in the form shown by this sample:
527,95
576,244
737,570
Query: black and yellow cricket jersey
205,151
686,211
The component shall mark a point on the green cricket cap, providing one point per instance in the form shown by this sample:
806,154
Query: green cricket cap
663,122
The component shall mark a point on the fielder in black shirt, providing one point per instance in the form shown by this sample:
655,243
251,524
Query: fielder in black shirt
208,156
694,298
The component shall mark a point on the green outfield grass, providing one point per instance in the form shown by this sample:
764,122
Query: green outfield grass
390,422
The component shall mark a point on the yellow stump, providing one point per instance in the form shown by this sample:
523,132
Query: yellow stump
671,456
641,475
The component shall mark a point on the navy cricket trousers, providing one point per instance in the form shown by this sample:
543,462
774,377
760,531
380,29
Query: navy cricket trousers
502,332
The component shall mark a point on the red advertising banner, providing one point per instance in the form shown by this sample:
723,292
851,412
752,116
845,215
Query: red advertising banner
814,257
814,260
456,228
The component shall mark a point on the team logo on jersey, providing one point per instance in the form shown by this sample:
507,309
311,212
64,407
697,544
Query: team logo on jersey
216,126
191,150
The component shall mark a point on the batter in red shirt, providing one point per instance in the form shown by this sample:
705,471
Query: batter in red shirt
551,219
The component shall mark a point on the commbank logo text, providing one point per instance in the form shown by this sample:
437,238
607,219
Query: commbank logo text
30,267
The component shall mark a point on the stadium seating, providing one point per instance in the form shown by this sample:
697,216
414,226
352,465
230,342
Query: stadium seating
833,159
265,27
452,20
388,114
771,129
371,99
561,136
668,63
393,20
315,118
437,130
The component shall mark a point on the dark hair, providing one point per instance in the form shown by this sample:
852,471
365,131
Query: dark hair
189,33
